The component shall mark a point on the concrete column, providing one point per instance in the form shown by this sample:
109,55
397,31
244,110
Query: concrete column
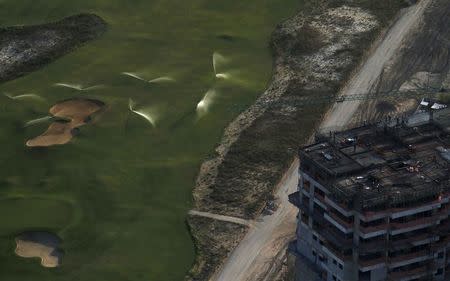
355,256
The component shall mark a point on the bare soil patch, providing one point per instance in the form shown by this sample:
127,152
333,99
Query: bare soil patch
423,64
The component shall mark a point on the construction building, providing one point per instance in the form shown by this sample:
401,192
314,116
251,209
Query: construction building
374,201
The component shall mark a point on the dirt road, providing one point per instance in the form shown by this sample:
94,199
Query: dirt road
365,80
255,252
252,258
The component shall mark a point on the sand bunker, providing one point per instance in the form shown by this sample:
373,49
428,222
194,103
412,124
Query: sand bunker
77,111
43,245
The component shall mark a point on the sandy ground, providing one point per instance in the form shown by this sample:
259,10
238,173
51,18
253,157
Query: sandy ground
39,245
367,77
423,66
251,259
78,111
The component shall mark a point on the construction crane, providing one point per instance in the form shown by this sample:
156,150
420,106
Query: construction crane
301,101
327,99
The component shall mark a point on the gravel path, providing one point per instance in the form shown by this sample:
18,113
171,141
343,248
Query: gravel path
221,217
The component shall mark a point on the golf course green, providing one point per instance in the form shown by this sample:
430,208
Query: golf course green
118,193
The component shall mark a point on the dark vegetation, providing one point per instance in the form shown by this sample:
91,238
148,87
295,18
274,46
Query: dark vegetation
385,107
444,97
24,49
256,162
209,236
306,41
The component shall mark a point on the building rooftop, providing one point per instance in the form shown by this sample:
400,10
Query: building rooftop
395,161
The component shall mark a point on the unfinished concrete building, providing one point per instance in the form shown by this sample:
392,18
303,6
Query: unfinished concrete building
374,201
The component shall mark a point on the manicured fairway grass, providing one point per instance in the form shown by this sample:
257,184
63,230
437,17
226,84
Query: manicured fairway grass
34,213
118,194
